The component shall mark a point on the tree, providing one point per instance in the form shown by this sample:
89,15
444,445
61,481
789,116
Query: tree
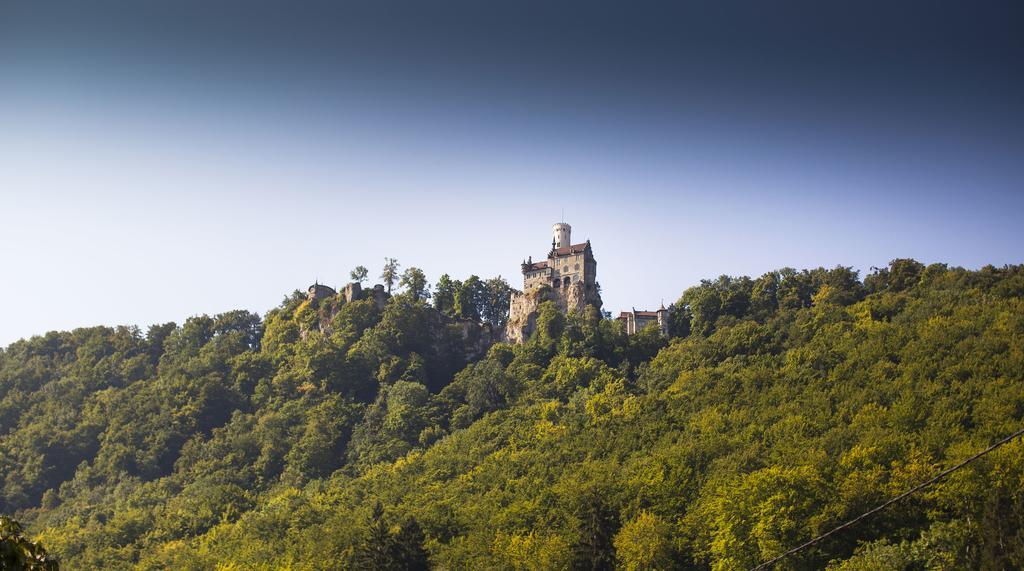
495,298
795,289
408,551
468,299
755,516
155,336
444,294
735,295
487,387
679,319
904,273
846,283
597,526
705,305
407,410
644,544
390,272
877,280
764,295
386,550
378,549
645,344
321,448
359,274
17,552
415,283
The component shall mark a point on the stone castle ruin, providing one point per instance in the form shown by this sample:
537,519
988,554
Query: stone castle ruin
477,337
567,277
351,292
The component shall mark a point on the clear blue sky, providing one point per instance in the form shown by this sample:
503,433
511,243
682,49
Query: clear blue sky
160,160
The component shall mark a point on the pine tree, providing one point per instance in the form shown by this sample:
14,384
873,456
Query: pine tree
377,552
409,553
595,550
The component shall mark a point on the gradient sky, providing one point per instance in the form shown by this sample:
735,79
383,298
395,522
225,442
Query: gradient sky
164,159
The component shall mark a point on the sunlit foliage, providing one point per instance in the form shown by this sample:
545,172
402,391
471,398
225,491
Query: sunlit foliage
334,435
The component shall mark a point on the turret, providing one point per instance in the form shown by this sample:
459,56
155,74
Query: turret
562,234
663,318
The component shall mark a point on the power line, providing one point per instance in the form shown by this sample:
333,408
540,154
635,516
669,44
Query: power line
918,488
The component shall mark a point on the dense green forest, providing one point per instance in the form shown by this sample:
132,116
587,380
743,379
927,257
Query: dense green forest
335,435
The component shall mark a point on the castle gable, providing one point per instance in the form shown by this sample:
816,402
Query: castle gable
569,250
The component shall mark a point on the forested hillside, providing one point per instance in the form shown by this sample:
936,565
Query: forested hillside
340,435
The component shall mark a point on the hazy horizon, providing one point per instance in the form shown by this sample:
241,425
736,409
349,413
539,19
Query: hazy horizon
163,161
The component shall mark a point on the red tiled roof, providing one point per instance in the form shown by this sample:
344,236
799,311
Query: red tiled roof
536,266
566,250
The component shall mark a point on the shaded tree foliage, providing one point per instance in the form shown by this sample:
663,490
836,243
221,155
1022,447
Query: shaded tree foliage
19,553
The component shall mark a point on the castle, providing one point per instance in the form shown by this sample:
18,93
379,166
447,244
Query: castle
634,321
568,277
567,265
351,292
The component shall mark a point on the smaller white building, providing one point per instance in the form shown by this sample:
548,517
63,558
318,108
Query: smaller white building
635,320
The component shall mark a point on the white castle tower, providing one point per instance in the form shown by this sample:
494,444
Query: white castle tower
562,233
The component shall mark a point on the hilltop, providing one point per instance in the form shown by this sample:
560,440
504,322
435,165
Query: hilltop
360,433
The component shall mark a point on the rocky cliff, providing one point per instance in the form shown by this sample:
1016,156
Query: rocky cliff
522,315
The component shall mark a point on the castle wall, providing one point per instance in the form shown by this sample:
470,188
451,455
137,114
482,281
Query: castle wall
319,291
536,278
522,315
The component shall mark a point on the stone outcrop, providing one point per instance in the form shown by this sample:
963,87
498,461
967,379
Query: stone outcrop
352,292
522,314
524,306
467,338
379,296
578,296
328,302
477,337
319,291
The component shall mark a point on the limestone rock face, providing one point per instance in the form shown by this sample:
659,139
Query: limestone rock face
318,291
477,337
575,298
379,296
522,314
352,291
